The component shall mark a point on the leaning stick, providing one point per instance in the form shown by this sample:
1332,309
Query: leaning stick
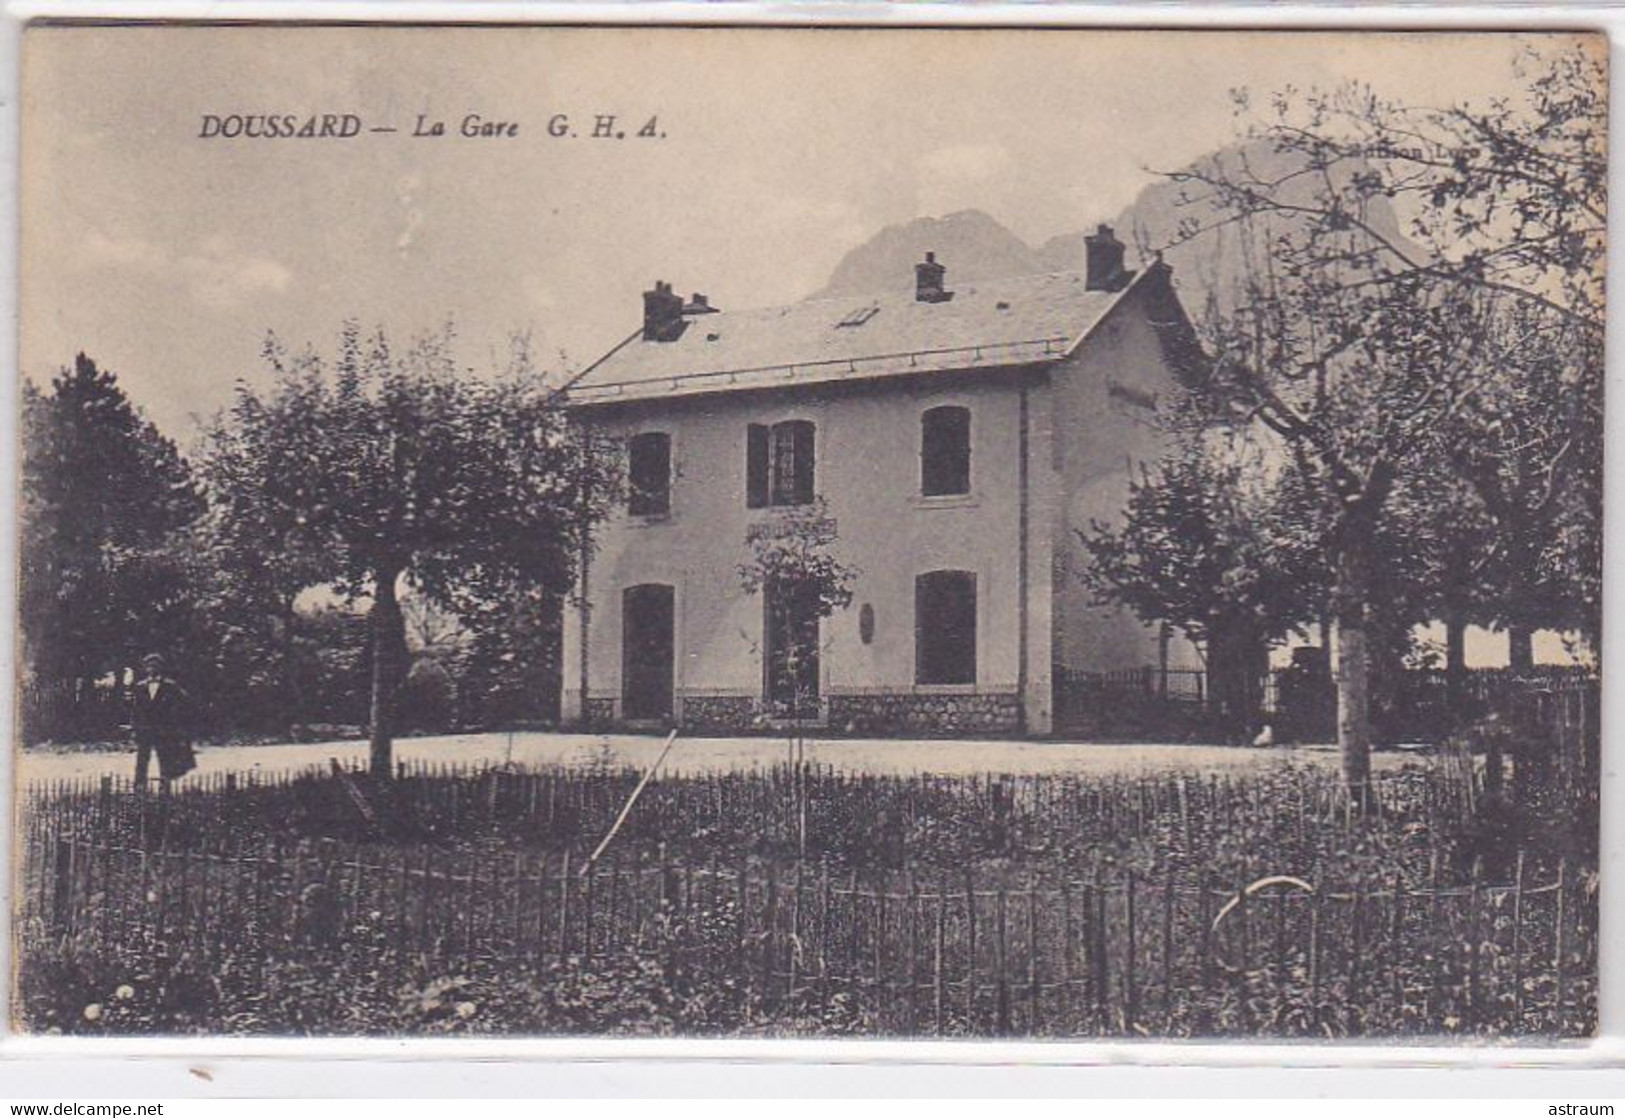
351,789
1248,891
630,800
1257,886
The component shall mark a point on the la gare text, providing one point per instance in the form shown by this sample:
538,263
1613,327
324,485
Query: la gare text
473,126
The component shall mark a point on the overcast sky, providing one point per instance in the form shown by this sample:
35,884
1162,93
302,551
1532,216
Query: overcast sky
167,257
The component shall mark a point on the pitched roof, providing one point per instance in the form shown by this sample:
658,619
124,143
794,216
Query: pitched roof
990,324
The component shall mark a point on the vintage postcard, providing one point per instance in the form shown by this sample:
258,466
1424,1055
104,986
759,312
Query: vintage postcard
704,531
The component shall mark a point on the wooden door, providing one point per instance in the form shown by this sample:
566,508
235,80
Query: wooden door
791,639
648,644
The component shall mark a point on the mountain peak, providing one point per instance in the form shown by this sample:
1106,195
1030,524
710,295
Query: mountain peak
965,217
974,246
970,243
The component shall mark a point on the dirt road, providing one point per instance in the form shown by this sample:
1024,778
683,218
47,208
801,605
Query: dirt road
711,754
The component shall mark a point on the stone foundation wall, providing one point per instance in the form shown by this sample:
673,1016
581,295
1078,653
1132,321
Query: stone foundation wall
925,715
599,712
719,714
901,714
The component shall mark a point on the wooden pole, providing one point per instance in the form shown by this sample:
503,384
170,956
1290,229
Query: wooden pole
1001,959
936,963
1035,1017
795,929
1069,943
1396,932
1435,941
970,959
589,873
564,905
740,918
880,933
1282,969
1168,901
1357,947
469,905
632,799
769,922
611,932
1100,978
1474,930
1130,987
1517,945
913,951
852,944
824,927
1558,946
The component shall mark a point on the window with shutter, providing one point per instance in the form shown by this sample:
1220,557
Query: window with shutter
945,452
649,474
945,627
780,464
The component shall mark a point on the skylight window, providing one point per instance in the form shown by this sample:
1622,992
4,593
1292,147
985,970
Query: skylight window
860,316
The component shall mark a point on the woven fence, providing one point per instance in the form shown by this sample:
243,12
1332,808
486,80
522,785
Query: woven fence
988,950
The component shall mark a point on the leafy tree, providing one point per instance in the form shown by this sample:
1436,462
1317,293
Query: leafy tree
1354,380
794,550
510,666
102,494
413,470
1216,546
1529,445
261,459
1361,346
793,565
333,657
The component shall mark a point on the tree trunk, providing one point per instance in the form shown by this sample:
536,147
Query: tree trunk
1258,672
387,630
293,709
1522,650
1233,683
1350,597
1164,636
1455,666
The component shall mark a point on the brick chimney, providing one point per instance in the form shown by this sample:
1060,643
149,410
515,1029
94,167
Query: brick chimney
662,314
1104,261
928,279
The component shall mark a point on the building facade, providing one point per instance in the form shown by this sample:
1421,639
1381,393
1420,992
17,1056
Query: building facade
953,443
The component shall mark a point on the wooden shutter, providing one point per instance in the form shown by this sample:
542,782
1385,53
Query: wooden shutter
756,451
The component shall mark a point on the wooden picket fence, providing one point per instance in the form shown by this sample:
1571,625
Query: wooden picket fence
986,951
861,813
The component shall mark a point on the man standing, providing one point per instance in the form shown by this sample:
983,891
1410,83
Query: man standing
158,711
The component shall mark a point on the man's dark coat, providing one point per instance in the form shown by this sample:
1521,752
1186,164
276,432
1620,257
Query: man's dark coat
159,724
